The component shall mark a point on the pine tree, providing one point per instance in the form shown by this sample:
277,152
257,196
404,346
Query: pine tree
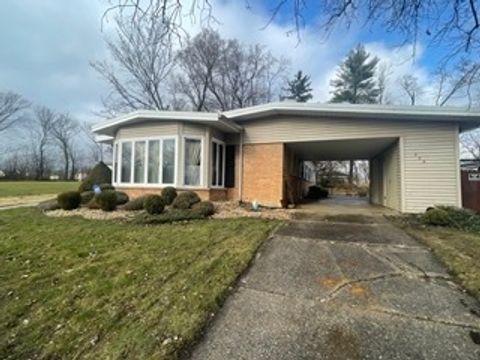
355,82
299,88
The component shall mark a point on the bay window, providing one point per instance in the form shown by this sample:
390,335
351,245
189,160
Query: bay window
126,169
193,161
154,161
168,163
218,156
139,165
147,161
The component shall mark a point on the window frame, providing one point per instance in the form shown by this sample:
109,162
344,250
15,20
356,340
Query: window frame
202,160
218,142
145,183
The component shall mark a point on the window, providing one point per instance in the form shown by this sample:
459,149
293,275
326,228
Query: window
154,161
139,166
126,162
168,163
218,156
193,155
148,162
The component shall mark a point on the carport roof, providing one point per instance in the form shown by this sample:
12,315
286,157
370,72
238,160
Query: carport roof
469,118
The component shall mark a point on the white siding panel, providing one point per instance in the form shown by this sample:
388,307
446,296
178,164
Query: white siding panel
147,130
392,177
430,156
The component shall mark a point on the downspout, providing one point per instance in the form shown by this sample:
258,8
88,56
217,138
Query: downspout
240,170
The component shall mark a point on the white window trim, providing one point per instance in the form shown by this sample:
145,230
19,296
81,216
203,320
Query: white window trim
146,184
202,160
218,142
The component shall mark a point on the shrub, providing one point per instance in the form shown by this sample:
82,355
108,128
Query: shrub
167,217
49,205
106,186
86,196
186,200
153,204
463,219
169,194
204,208
69,200
362,191
122,198
134,204
317,192
100,174
106,200
436,216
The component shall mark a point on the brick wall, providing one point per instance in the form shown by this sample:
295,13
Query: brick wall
263,168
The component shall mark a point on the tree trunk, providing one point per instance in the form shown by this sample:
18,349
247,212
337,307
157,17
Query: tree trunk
350,172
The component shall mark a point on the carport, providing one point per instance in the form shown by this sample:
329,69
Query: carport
382,154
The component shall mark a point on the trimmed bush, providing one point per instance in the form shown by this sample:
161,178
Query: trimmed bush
86,197
169,194
100,174
362,191
122,198
204,208
317,192
134,204
437,217
69,200
106,186
49,205
171,216
106,200
153,204
186,200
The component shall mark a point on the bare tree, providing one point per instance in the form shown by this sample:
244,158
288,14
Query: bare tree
459,82
198,61
409,83
142,61
12,106
219,74
384,71
95,148
40,129
64,129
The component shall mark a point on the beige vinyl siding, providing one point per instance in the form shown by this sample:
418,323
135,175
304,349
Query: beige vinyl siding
430,155
376,178
147,130
390,160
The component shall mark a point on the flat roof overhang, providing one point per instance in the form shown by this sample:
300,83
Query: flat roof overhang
109,127
341,150
467,119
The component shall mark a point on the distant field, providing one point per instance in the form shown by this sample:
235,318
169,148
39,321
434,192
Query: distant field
27,188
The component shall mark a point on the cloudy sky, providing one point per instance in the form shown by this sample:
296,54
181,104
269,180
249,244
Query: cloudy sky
46,47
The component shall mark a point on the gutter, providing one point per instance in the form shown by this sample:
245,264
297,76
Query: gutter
240,170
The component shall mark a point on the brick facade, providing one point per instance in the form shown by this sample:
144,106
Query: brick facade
263,168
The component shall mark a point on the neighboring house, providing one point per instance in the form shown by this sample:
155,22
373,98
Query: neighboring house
255,153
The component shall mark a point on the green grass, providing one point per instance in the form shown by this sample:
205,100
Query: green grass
26,188
458,250
76,288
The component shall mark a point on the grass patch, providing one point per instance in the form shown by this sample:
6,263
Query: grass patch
458,250
26,188
76,288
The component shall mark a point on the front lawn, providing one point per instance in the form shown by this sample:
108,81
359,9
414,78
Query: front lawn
26,188
76,288
458,250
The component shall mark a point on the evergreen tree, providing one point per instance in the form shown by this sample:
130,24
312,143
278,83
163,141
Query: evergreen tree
355,82
299,88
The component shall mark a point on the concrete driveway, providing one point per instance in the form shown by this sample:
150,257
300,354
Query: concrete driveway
334,289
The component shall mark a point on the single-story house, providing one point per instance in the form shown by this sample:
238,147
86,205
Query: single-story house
258,153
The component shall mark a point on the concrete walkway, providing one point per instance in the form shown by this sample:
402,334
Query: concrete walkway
344,290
